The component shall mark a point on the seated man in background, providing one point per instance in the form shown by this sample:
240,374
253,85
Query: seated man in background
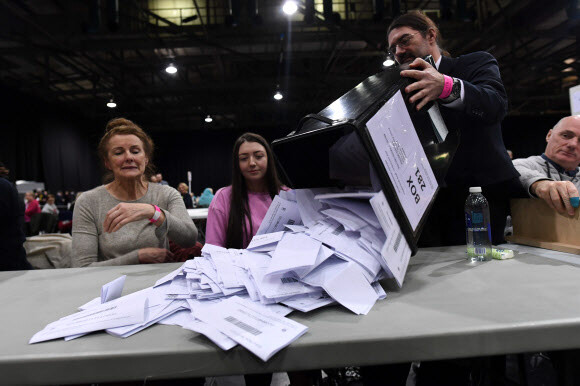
553,176
184,190
50,206
160,179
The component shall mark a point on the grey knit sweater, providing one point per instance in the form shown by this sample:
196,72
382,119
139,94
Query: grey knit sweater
93,247
535,168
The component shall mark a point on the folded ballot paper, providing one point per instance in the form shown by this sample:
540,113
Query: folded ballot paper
315,248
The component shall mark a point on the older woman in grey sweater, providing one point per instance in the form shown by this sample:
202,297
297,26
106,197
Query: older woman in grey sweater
129,220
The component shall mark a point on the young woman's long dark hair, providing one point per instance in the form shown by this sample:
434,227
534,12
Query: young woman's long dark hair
239,207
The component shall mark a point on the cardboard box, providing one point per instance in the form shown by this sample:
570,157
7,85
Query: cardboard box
538,225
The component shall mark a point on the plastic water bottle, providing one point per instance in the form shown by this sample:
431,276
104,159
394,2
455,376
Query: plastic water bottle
477,226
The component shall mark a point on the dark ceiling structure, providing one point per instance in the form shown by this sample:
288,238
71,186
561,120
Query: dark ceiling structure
232,56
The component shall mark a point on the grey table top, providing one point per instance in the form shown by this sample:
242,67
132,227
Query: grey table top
448,308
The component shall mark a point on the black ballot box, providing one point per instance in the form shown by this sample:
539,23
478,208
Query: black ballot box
373,139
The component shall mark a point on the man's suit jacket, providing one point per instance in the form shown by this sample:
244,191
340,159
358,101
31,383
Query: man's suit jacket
481,158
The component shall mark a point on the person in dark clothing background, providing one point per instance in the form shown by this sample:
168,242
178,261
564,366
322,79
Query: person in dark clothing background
3,171
184,190
12,253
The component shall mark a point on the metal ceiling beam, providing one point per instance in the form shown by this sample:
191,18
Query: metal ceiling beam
212,88
235,70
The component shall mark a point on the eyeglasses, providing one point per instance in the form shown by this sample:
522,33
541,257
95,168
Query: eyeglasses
403,42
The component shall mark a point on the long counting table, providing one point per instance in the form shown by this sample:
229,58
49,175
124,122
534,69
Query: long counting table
448,308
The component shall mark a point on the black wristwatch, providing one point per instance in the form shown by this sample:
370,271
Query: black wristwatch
455,92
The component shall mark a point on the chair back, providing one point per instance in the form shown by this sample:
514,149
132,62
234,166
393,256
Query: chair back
43,222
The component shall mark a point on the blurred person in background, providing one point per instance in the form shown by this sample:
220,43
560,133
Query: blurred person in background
31,208
71,196
59,198
50,206
205,199
160,179
184,190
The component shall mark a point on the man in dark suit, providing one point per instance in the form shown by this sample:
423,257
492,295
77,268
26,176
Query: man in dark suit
473,101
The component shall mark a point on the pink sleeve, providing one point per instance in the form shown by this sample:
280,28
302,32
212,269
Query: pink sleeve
32,208
217,221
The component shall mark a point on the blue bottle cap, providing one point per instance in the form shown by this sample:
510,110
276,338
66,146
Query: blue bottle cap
575,201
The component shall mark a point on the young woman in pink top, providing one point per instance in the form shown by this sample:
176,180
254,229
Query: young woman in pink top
236,211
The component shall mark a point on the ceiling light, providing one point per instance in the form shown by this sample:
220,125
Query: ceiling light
290,7
171,69
568,69
111,104
388,62
569,60
278,96
208,119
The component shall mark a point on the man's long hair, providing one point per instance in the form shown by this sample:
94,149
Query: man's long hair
239,207
419,22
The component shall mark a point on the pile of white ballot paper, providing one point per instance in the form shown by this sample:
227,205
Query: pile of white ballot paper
315,248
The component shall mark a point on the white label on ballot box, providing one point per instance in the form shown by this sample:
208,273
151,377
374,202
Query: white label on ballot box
395,253
399,147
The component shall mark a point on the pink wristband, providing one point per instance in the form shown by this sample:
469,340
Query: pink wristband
447,86
156,215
